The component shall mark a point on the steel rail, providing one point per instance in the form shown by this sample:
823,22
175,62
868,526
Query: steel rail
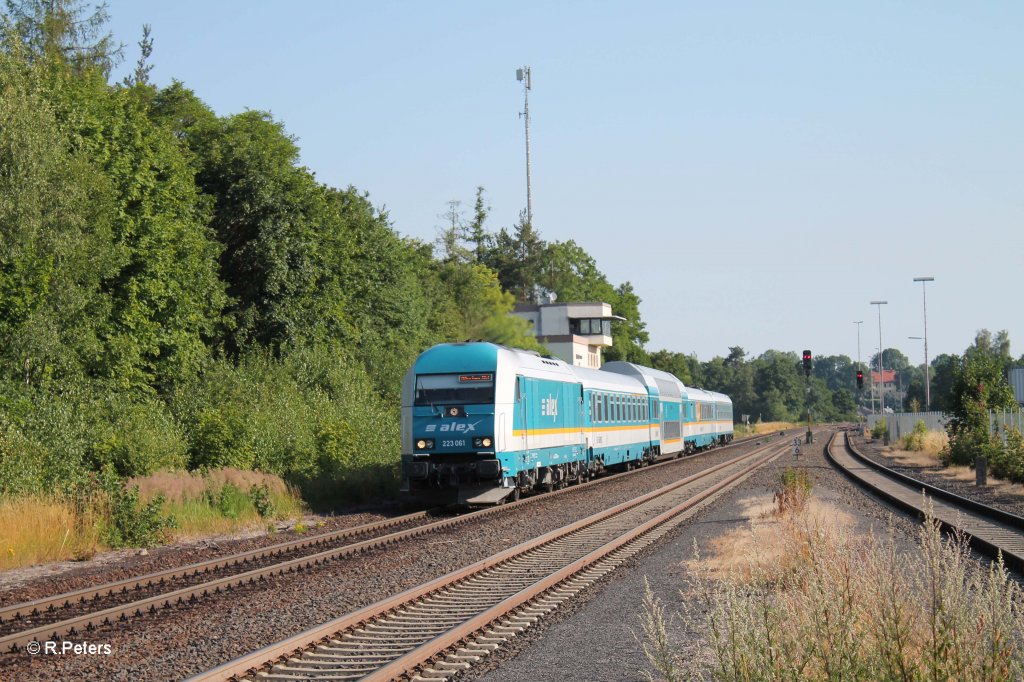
79,596
990,530
90,620
416,655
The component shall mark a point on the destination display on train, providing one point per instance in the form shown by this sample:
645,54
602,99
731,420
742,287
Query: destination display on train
466,378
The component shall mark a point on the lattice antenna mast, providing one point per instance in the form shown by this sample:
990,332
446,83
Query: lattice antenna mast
523,75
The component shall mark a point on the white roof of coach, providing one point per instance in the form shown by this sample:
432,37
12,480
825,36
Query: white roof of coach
609,381
719,397
650,376
532,363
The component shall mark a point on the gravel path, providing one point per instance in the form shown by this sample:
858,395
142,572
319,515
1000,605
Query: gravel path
181,641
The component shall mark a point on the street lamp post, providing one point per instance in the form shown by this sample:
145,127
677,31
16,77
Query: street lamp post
927,378
919,338
859,323
881,378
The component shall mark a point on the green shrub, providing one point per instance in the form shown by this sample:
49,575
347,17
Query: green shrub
1006,460
966,444
793,491
262,501
138,438
131,523
880,429
230,501
915,440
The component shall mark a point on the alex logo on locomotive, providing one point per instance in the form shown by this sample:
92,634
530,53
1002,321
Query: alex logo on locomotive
463,427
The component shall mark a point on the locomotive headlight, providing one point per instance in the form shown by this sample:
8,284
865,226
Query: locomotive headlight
425,444
486,442
482,442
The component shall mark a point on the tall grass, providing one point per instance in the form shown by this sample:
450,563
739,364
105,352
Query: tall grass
838,606
38,529
220,500
35,530
758,428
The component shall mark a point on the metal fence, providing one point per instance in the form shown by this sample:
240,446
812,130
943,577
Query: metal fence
901,423
1001,421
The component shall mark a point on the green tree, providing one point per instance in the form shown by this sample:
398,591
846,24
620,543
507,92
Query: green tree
979,385
61,32
56,238
452,234
476,231
943,372
674,363
630,335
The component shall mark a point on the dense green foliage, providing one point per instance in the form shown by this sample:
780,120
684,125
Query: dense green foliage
176,291
979,385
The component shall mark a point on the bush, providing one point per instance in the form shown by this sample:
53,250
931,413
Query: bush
138,438
130,522
915,440
880,429
793,491
966,444
230,501
262,501
1006,460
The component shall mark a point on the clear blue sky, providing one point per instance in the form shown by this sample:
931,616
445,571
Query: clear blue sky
759,171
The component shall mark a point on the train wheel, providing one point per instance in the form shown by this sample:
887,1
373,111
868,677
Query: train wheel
513,496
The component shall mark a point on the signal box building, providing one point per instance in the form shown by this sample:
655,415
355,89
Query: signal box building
574,332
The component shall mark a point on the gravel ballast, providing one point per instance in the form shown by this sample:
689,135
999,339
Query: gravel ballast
180,641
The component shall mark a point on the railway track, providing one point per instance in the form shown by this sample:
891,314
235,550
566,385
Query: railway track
437,629
990,530
86,609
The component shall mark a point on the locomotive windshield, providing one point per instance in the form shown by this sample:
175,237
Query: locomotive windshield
455,389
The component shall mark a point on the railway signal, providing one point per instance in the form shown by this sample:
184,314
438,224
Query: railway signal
807,363
860,380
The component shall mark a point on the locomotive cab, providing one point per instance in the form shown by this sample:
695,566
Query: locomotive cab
448,425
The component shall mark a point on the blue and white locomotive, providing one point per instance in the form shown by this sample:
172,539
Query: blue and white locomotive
482,423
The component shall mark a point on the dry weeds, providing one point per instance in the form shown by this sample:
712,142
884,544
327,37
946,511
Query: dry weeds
746,552
34,531
800,596
184,486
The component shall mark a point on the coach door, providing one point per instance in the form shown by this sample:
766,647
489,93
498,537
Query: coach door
582,422
653,420
521,414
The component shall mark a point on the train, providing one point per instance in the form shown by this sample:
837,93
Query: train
482,423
